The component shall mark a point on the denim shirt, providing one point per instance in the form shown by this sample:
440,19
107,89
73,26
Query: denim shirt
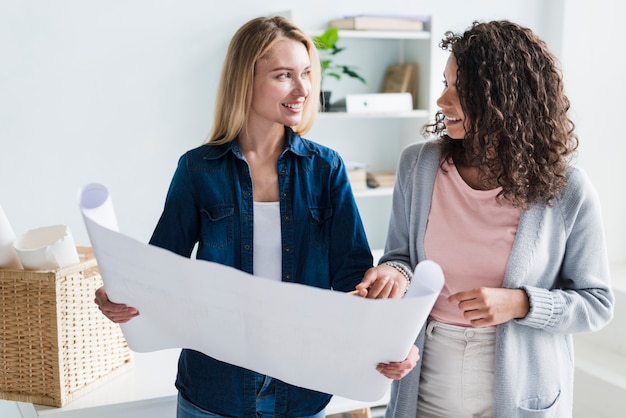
210,203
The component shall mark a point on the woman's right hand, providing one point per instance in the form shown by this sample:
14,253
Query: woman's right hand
116,312
382,282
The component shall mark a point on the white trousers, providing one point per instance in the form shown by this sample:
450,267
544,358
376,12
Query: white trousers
457,372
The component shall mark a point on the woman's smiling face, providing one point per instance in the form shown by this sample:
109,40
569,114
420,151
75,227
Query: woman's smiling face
282,83
450,104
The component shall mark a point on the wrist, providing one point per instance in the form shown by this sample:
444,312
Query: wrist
523,305
402,269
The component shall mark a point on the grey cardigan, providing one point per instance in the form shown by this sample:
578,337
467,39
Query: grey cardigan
559,258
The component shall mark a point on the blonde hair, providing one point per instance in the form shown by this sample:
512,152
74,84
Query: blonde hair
251,42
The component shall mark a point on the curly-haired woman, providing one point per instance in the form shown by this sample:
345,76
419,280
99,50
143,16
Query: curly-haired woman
516,227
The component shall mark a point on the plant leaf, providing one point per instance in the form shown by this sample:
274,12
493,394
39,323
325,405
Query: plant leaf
326,40
351,73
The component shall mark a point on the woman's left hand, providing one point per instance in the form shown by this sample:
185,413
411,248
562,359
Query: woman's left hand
489,306
397,370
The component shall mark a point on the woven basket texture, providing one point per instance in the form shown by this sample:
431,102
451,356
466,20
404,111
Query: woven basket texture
55,344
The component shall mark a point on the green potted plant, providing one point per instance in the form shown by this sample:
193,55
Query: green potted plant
326,44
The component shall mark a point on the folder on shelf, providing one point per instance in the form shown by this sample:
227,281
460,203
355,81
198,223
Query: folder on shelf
401,78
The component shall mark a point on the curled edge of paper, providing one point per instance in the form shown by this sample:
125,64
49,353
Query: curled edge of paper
95,202
426,268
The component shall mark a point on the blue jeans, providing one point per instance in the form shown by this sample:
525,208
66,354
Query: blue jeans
264,403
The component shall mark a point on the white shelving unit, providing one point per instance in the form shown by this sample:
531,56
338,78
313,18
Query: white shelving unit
376,139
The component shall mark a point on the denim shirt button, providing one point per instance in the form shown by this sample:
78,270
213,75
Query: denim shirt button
246,247
288,249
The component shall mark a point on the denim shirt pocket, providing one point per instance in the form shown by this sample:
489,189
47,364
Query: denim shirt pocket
319,229
218,225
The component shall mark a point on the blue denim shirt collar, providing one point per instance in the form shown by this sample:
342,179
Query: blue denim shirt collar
295,144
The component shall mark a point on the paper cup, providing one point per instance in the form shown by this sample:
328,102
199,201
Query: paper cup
47,248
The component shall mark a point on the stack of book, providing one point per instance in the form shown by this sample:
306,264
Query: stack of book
356,175
357,179
381,22
381,179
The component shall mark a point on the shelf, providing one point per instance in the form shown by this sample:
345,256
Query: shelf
377,138
414,114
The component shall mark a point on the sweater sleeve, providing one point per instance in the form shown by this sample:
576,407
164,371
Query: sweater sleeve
397,243
580,298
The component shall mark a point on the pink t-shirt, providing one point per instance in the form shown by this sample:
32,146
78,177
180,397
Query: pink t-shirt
469,234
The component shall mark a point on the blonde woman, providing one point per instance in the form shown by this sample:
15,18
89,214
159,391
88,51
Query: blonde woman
259,197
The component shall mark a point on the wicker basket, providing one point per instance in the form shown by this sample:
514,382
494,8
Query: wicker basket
55,344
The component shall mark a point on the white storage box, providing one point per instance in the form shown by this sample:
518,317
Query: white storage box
379,102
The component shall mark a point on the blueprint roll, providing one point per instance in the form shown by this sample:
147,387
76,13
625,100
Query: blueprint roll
95,202
274,328
8,256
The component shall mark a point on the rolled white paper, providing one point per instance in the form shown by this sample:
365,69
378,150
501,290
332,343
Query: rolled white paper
95,202
8,257
47,248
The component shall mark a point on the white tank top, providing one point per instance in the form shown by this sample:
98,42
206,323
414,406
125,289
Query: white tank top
266,255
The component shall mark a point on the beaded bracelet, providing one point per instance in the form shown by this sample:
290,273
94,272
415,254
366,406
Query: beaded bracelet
404,270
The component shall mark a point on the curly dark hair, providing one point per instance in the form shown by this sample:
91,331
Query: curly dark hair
511,91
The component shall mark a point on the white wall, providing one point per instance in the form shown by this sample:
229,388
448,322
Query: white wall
114,91
594,65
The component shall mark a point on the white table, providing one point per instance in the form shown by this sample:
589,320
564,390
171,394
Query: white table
145,391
